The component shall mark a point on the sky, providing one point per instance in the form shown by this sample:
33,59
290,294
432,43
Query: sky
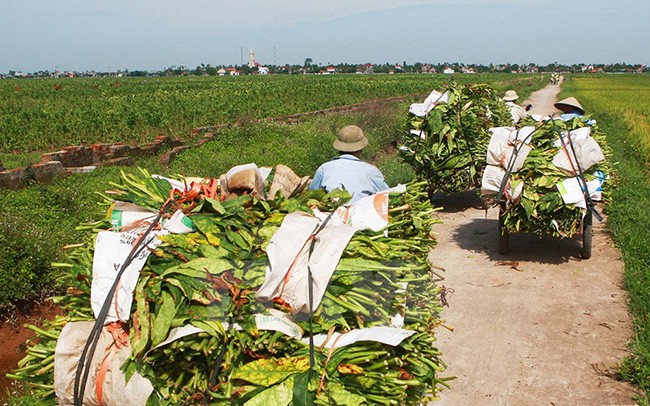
110,35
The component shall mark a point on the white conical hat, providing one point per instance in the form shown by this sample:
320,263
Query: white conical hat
570,101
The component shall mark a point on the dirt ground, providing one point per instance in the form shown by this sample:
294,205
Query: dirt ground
13,335
538,326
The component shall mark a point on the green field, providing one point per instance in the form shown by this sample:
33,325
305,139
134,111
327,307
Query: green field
44,114
621,104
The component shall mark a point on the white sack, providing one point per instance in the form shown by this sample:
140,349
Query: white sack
502,131
587,151
115,391
492,180
288,254
277,320
419,133
514,134
367,213
111,250
434,98
571,191
385,335
123,214
501,150
577,134
248,177
179,223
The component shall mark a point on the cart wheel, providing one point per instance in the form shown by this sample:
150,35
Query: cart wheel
504,237
587,234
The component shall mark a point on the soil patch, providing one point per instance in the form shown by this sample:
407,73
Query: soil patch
13,335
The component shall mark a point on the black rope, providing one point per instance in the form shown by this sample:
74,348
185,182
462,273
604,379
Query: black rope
513,159
310,279
85,360
218,365
580,175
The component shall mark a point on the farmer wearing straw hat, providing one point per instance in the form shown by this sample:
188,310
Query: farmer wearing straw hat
571,108
347,170
516,111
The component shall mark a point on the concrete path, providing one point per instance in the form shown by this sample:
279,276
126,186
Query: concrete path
539,326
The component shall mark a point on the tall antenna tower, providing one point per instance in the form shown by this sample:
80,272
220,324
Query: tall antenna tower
274,63
241,54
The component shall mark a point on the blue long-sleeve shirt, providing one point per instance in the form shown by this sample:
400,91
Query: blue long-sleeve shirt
349,172
574,114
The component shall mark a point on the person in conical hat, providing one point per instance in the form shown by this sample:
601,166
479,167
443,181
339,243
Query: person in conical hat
571,108
516,111
570,105
347,171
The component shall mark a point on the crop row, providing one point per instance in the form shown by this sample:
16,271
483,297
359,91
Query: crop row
40,115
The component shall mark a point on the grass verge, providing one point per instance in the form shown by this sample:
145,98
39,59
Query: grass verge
621,106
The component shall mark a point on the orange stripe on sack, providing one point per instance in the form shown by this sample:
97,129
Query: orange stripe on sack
285,280
380,203
120,340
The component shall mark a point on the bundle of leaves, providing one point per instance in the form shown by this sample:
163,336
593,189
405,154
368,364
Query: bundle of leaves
540,209
447,146
208,279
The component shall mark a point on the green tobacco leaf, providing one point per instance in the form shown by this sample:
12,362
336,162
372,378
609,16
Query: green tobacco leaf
141,322
343,397
301,394
529,207
129,367
214,328
216,205
198,267
206,224
210,251
267,372
163,319
278,395
359,264
188,242
237,239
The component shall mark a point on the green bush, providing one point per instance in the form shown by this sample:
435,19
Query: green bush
35,223
25,254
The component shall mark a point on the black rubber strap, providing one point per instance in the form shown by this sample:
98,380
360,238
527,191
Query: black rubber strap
512,160
580,175
85,360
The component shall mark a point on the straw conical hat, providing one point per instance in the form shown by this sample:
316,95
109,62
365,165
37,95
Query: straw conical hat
570,101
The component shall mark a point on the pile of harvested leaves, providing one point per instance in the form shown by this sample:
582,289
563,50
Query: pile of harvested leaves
538,206
207,279
447,139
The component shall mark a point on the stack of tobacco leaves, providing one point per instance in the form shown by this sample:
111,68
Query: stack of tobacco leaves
208,279
447,146
540,208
